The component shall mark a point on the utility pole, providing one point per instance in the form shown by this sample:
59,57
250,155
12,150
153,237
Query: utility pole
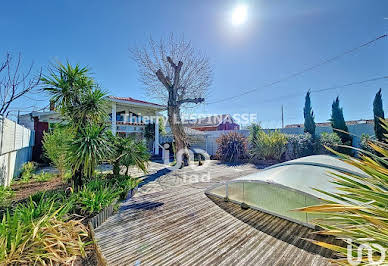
282,117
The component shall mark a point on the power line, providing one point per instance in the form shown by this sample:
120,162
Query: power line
324,89
329,60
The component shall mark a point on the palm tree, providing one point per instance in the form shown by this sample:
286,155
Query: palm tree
89,147
83,104
128,152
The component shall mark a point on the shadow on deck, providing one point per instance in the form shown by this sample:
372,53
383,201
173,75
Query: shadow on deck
260,221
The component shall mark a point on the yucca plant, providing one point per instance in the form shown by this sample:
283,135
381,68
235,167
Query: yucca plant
128,152
360,211
90,147
80,100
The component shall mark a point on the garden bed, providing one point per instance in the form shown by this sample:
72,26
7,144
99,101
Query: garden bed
24,190
90,204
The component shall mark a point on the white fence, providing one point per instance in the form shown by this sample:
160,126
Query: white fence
16,144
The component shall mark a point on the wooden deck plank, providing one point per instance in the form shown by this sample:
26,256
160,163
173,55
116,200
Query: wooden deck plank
180,225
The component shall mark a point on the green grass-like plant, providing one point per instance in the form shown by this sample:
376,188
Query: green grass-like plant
266,146
6,194
43,176
27,171
360,212
93,197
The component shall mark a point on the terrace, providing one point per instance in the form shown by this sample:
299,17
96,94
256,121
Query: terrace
171,221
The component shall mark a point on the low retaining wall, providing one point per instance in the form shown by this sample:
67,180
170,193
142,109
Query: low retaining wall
99,219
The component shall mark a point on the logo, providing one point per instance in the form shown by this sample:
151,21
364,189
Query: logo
361,250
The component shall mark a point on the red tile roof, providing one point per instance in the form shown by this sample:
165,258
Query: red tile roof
129,99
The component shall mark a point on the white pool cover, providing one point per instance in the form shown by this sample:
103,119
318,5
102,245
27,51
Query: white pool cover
281,188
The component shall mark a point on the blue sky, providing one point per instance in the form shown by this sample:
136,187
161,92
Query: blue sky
279,38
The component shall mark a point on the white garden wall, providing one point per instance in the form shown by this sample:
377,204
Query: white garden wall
16,144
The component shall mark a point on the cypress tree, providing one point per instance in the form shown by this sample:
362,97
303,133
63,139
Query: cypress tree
338,122
309,123
378,113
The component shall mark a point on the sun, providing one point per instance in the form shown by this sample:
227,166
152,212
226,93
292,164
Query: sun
239,14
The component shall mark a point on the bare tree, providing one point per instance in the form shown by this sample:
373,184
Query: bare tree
177,74
14,83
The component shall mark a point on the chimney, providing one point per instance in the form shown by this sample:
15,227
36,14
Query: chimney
52,105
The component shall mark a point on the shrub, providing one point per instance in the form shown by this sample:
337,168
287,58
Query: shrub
43,176
5,194
232,147
265,146
128,152
299,146
34,232
46,240
123,184
330,140
43,203
365,143
55,147
93,197
27,171
359,211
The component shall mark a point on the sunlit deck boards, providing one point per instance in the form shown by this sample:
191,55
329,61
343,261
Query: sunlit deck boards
182,226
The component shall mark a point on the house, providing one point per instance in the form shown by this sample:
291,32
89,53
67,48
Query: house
128,116
213,123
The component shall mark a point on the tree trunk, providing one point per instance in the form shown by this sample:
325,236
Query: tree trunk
116,168
174,119
77,180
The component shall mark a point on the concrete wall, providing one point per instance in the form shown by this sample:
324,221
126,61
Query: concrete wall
16,144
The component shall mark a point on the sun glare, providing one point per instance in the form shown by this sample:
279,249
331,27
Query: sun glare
239,15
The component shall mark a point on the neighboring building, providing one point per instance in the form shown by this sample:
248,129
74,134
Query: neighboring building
128,117
213,123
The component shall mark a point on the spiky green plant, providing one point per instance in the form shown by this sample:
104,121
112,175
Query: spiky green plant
360,211
6,194
95,196
232,147
128,152
89,147
46,240
266,146
83,104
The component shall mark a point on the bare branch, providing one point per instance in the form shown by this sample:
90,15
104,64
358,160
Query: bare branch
187,69
194,100
165,80
174,60
13,83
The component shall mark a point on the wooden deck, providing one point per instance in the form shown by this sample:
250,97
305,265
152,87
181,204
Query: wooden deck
180,225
